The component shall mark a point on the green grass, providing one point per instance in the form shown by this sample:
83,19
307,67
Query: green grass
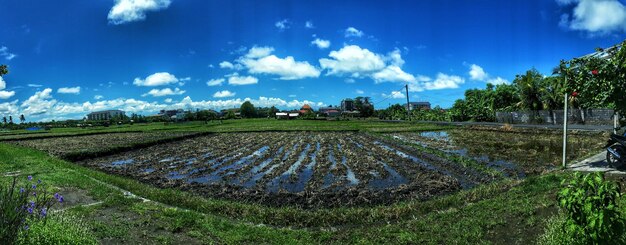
472,216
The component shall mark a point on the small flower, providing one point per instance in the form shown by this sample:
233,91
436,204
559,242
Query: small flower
30,177
30,210
34,193
56,195
61,199
26,227
34,186
32,204
574,94
594,72
39,181
22,190
44,212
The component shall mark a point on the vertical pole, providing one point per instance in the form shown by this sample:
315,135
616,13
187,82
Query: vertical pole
565,132
615,120
408,106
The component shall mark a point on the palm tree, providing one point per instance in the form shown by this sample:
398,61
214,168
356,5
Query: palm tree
4,120
22,118
10,119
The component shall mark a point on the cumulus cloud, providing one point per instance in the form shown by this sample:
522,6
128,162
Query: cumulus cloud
283,24
353,32
394,95
39,103
4,52
477,73
358,91
321,43
595,16
235,79
226,65
352,60
6,94
9,108
260,60
309,25
3,84
393,73
125,11
98,97
223,94
215,82
156,79
497,81
69,90
164,92
444,81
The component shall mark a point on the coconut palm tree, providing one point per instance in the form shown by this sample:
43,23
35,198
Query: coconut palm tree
22,118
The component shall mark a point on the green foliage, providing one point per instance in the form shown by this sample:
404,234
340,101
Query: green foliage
591,208
599,82
529,87
247,110
59,229
4,70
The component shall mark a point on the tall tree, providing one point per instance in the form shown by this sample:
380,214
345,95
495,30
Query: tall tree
4,120
529,87
4,70
247,110
22,118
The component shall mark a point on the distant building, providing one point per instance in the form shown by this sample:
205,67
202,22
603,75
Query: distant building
347,105
287,115
418,105
329,111
104,115
305,108
170,113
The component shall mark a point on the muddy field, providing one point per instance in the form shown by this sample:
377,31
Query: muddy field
78,147
301,168
530,152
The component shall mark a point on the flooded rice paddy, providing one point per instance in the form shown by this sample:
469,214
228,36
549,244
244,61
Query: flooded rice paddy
324,169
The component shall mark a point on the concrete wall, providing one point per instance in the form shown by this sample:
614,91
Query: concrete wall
574,116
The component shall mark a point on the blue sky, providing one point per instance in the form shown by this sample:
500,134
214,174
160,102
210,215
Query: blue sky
72,57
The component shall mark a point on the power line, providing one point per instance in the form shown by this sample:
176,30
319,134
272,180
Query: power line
389,96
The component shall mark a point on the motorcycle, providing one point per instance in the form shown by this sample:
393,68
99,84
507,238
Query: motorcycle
616,151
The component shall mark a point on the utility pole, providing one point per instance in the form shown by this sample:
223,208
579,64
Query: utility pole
565,132
408,106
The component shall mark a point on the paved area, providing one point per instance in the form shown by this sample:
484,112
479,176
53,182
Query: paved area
595,163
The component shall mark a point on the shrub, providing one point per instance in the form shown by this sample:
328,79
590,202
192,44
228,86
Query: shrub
21,205
591,209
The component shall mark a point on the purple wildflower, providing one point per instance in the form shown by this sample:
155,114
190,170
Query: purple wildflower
30,210
30,177
44,212
56,195
22,190
61,199
32,204
26,227
39,181
34,186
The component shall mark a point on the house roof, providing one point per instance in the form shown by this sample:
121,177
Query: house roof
306,107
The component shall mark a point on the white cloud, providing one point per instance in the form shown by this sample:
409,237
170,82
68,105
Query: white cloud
352,60
349,80
98,97
9,108
258,52
260,60
595,16
321,43
185,79
69,90
226,65
34,85
223,94
3,84
395,58
292,96
125,11
444,81
4,52
235,79
497,80
156,79
168,100
6,94
164,92
353,32
394,95
215,82
393,73
39,103
477,73
358,91
309,25
283,24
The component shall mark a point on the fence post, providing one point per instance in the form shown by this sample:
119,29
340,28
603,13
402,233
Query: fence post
565,132
615,121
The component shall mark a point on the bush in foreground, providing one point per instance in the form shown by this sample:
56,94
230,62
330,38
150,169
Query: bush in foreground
589,213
